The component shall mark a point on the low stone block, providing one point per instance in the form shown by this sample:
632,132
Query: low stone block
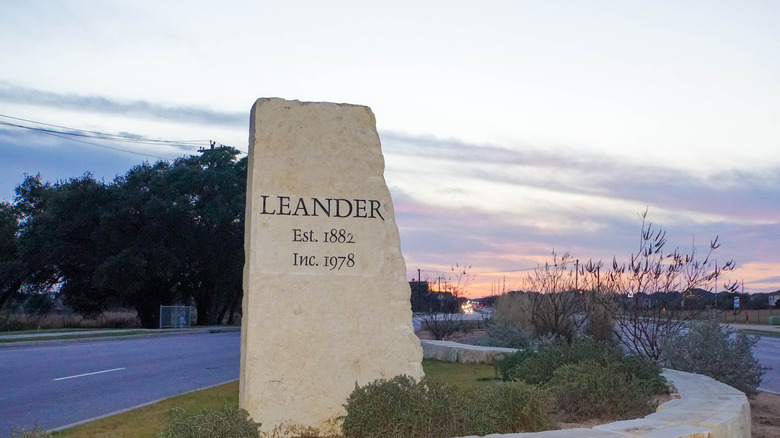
454,352
722,424
708,403
568,433
687,383
643,428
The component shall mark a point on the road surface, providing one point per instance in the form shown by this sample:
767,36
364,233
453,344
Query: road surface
56,385
767,351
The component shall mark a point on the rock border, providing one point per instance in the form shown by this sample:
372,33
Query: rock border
702,407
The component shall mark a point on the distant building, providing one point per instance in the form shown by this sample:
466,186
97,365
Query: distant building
773,298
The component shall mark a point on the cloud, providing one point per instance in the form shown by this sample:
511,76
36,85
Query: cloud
577,180
130,108
503,210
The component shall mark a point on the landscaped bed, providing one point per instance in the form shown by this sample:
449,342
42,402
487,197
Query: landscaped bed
480,398
148,421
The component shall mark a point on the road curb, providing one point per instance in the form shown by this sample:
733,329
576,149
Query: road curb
89,338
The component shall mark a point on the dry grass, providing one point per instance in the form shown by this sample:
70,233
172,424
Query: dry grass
516,308
69,320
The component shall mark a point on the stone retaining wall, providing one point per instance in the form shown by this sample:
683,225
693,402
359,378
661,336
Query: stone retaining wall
701,408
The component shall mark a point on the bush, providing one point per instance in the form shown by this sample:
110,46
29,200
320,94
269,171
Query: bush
505,334
226,423
587,377
405,408
400,407
600,322
537,366
646,371
441,325
589,389
505,407
714,350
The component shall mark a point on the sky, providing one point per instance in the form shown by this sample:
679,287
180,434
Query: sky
510,129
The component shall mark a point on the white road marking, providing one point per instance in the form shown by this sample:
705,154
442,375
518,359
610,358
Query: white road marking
88,374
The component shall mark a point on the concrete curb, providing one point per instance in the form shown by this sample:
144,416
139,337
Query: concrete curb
454,352
88,338
701,408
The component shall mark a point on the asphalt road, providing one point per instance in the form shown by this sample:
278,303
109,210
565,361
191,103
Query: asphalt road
56,385
767,351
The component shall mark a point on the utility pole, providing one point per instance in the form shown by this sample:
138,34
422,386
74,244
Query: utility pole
716,277
577,275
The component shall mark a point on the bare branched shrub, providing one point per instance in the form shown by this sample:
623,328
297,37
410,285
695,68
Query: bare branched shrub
505,334
653,295
443,315
557,305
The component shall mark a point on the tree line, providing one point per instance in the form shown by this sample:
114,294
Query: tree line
163,233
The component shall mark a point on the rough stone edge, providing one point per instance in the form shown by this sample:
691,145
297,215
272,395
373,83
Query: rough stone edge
690,387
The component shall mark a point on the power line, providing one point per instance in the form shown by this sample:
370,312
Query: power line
439,271
74,134
102,135
104,146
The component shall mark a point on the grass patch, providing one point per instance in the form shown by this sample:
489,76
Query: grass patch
31,331
146,422
762,333
73,336
465,375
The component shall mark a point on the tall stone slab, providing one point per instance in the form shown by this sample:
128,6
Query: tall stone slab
326,301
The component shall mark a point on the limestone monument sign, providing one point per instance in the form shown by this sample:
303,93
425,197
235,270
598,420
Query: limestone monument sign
326,301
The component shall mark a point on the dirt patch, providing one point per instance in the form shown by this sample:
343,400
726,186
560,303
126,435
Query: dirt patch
765,410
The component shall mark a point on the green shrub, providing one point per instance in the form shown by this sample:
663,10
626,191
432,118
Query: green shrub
228,422
590,389
646,371
505,334
537,366
712,349
405,408
587,377
505,407
400,407
600,323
